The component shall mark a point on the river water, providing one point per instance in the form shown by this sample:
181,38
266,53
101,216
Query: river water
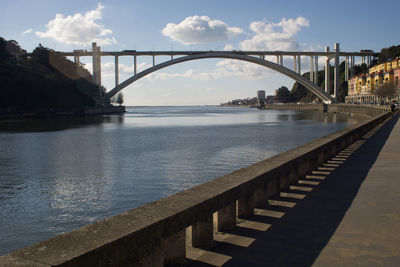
60,174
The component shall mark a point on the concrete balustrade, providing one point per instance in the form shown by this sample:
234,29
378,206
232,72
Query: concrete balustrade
155,234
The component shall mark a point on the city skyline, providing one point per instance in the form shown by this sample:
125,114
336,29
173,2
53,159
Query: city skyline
158,25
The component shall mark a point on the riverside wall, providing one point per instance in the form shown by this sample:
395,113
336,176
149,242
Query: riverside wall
370,110
155,234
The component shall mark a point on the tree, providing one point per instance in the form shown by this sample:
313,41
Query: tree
385,90
4,54
283,94
120,99
388,54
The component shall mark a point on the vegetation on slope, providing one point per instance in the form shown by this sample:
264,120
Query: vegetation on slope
42,82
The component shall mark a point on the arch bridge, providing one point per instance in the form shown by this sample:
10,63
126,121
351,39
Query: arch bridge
256,57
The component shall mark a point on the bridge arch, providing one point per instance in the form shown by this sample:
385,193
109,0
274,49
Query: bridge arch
231,55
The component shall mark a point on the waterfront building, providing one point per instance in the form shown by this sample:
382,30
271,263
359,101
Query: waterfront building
388,77
352,86
361,87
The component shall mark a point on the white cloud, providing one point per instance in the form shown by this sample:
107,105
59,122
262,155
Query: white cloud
244,70
200,29
27,31
79,29
228,47
275,36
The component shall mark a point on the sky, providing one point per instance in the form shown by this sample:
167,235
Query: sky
199,25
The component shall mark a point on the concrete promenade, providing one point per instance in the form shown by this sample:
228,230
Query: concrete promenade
344,213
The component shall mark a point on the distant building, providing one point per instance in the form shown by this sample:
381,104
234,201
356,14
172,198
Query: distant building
261,99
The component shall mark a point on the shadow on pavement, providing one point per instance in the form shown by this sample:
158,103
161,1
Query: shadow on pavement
297,237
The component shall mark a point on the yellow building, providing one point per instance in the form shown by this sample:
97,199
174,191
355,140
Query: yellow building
395,64
378,79
381,67
370,83
361,87
388,77
361,81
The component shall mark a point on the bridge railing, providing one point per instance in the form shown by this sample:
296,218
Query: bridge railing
155,234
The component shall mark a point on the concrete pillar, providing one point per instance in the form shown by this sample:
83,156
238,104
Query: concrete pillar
134,64
277,59
294,64
311,68
96,62
346,70
172,57
299,64
281,60
154,60
174,249
203,232
316,70
336,85
116,71
260,196
227,217
246,205
327,70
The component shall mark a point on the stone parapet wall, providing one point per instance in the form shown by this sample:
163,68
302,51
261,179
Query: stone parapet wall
370,110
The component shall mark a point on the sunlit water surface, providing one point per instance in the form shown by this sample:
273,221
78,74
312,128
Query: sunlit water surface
60,174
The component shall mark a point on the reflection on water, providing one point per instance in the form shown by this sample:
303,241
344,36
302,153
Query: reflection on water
61,174
53,124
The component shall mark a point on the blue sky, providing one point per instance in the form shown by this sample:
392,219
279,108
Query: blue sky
199,25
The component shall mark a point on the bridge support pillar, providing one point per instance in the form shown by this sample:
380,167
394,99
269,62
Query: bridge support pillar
346,70
299,64
311,68
96,62
327,71
336,86
76,61
227,217
203,232
277,59
134,64
294,64
281,60
116,71
316,70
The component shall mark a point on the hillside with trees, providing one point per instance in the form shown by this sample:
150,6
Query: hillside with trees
299,93
43,82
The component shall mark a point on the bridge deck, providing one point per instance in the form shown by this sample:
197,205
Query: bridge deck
242,52
346,213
